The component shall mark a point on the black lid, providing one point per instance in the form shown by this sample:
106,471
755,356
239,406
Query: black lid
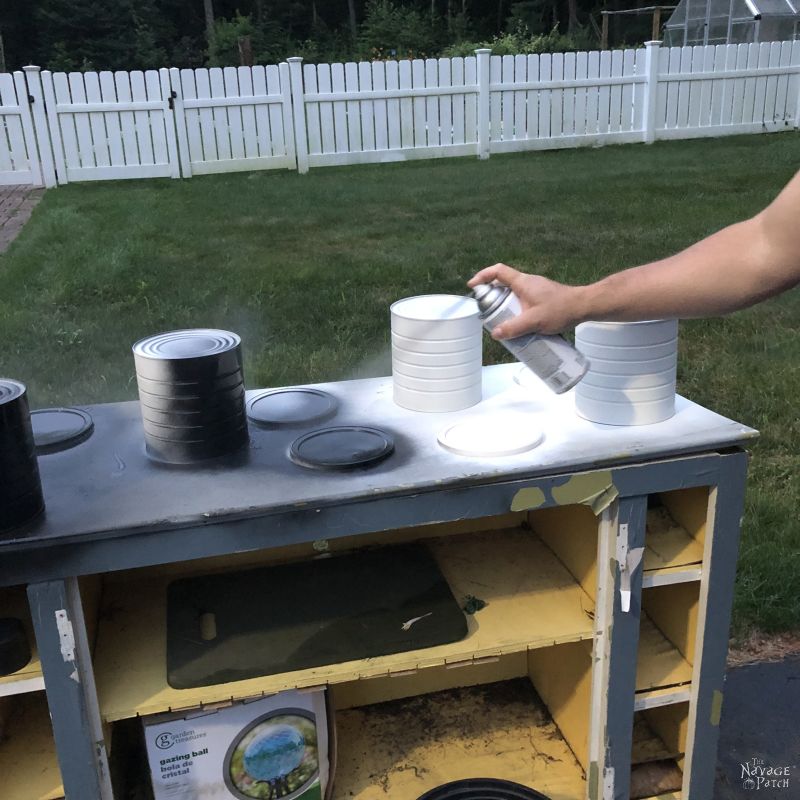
342,447
482,789
291,407
15,651
56,429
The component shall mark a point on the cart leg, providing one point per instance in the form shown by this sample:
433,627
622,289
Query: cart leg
711,648
69,682
617,615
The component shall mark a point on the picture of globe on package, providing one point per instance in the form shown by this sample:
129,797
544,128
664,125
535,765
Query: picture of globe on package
275,757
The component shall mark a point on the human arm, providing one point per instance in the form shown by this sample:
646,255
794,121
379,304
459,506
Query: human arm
734,268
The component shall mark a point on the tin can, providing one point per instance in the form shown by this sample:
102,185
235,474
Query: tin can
551,358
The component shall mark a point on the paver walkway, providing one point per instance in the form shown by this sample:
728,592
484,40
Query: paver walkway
16,205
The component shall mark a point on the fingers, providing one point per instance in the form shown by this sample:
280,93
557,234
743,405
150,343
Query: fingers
498,272
519,325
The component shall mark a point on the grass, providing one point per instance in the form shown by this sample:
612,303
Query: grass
304,268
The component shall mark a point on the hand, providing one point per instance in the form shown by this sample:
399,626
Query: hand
547,306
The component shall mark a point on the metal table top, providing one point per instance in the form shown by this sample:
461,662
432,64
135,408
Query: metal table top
108,485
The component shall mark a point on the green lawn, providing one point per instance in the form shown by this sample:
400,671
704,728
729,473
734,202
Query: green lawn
304,268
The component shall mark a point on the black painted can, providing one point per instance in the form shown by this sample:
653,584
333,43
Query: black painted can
482,789
191,394
15,651
20,486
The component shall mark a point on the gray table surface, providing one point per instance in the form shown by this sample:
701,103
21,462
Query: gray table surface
108,484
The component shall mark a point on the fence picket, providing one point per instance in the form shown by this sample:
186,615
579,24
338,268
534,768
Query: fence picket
759,103
737,92
731,53
458,78
35,127
557,96
367,107
568,109
793,89
615,108
186,125
83,128
783,119
627,122
506,98
445,103
108,94
312,110
280,134
431,104
326,120
8,152
393,107
353,108
194,132
407,110
156,119
206,116
684,88
230,84
772,87
545,71
380,107
471,101
97,123
604,93
495,99
581,73
418,82
245,81
339,109
220,114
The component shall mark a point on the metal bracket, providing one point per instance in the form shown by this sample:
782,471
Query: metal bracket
608,783
628,561
66,635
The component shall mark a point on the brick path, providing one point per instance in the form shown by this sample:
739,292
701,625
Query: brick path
16,205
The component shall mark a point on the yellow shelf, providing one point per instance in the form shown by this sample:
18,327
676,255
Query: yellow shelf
14,603
402,749
660,665
532,601
668,546
28,765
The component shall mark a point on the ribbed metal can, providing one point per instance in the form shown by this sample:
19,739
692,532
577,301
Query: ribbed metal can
191,394
21,496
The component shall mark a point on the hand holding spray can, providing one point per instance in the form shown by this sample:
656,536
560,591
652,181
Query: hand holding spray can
551,358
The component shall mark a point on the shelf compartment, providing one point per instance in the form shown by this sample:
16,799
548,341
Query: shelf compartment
14,603
672,554
659,744
674,611
663,675
28,763
531,601
402,749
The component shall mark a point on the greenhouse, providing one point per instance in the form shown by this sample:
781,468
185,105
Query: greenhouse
732,22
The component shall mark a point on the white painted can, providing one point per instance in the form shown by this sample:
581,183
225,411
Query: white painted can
631,379
437,401
436,352
436,316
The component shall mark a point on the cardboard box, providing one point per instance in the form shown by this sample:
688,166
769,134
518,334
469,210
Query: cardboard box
273,747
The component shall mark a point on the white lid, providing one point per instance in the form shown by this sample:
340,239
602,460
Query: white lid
435,307
492,435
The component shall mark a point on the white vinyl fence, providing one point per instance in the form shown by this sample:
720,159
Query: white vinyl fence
61,127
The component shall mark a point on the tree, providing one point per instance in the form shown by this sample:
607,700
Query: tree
211,36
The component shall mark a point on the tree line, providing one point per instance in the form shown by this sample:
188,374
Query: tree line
142,34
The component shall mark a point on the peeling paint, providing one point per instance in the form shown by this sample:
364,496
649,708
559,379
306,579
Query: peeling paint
594,489
594,774
528,498
716,707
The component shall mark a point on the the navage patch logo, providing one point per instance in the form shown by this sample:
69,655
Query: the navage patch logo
757,774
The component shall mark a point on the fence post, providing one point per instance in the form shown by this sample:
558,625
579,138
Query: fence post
483,101
650,91
33,80
299,113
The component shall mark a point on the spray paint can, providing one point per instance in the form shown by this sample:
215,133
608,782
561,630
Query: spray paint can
551,358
